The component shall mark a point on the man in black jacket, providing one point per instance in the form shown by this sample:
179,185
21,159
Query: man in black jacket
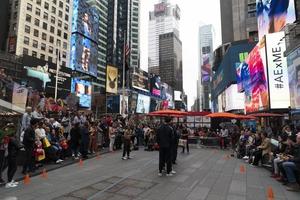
291,165
164,140
28,142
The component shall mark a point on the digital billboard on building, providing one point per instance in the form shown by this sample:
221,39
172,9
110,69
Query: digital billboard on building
273,15
83,90
155,85
293,61
140,80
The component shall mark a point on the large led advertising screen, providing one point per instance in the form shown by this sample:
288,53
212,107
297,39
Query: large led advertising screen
205,69
167,95
255,80
140,80
277,71
294,78
85,20
124,105
155,85
83,54
111,79
82,89
273,15
143,104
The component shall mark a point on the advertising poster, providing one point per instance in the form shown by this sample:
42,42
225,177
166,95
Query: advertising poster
123,109
177,95
155,85
255,80
154,105
111,79
84,54
133,103
167,95
143,104
83,90
273,15
206,69
294,78
140,80
113,104
277,71
85,20
234,100
41,75
19,96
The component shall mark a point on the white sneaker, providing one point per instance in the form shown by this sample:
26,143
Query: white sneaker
173,172
59,161
15,182
124,158
169,174
129,157
245,157
159,174
10,185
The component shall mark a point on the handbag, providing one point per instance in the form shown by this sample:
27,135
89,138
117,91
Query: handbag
182,142
46,143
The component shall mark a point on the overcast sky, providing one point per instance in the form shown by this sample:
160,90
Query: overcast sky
193,14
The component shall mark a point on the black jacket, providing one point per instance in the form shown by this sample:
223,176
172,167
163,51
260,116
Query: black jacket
13,147
165,136
296,158
29,138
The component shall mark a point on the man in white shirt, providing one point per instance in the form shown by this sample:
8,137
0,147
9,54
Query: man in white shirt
224,136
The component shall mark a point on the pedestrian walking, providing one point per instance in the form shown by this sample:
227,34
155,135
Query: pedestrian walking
164,140
112,136
127,142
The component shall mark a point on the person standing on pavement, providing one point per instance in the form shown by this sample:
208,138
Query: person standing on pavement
85,138
112,136
127,142
75,140
164,140
175,144
13,148
29,142
223,140
185,138
3,156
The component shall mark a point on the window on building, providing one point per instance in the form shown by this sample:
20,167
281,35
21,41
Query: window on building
50,58
59,23
54,1
28,18
15,15
29,7
64,54
60,13
44,36
46,5
52,20
34,54
27,29
65,45
42,56
25,51
43,46
53,10
50,49
63,63
35,44
58,42
26,40
52,29
66,26
36,33
45,25
38,2
14,27
38,11
16,4
68,1
37,22
61,5
67,17
65,36
45,16
51,39
67,8
59,32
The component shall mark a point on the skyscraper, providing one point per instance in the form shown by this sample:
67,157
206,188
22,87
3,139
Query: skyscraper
39,27
164,19
170,60
238,20
123,20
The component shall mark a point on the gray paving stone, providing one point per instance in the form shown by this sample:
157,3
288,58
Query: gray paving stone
216,197
130,191
198,193
101,185
236,197
84,193
237,187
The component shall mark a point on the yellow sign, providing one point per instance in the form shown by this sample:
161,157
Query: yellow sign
111,79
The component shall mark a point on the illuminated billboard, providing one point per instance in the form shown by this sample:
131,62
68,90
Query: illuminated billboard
277,71
85,20
167,95
140,80
273,15
294,78
83,90
143,104
234,100
84,54
124,105
206,69
111,79
155,85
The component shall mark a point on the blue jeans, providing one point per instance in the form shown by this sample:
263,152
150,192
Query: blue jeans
290,168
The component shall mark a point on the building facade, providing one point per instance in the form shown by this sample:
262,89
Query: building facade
206,35
238,20
170,60
163,19
39,27
123,27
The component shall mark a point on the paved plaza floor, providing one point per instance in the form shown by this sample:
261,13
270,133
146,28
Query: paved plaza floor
204,174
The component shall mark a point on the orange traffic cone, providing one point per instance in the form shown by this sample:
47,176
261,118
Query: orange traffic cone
26,179
80,163
270,193
44,174
242,169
